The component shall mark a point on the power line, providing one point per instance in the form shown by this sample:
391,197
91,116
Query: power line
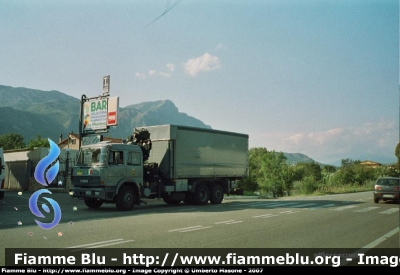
167,10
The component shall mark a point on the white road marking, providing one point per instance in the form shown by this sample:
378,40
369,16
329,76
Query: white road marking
366,209
193,229
288,212
322,206
372,245
344,207
390,211
265,216
179,229
225,222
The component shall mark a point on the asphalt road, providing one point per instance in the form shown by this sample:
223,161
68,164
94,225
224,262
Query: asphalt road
348,221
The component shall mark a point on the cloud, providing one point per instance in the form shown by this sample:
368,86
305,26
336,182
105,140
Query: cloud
371,140
296,139
163,74
221,47
152,72
170,68
140,75
203,63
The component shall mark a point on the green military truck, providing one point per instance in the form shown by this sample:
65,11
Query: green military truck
169,162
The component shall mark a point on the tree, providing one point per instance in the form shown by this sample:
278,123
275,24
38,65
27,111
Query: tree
352,172
397,153
290,175
12,141
349,162
310,169
267,168
255,156
328,169
270,173
38,142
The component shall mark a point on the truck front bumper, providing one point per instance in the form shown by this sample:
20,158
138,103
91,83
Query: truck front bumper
88,193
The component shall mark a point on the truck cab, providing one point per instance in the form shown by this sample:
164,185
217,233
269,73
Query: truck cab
108,173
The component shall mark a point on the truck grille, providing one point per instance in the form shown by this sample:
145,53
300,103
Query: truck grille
86,181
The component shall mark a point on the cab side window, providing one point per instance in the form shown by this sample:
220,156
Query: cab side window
134,158
116,158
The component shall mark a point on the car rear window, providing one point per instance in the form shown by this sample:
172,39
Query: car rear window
388,182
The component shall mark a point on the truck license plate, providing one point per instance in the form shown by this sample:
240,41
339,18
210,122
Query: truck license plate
388,196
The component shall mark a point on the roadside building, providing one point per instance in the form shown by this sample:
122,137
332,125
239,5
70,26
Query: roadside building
370,164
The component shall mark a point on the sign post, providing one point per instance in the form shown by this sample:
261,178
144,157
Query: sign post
106,85
98,113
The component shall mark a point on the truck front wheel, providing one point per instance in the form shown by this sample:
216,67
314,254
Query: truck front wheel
202,195
216,194
93,203
125,199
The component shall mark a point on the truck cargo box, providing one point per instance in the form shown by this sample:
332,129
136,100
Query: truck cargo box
184,152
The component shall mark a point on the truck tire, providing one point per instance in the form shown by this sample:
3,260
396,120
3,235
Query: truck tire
202,195
216,194
125,199
93,203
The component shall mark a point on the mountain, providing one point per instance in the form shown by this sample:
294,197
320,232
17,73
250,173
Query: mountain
31,112
293,158
151,113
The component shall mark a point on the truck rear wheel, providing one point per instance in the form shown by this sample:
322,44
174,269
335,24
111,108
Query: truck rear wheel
202,195
125,199
216,194
93,203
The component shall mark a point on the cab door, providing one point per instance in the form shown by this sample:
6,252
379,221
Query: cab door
134,166
116,170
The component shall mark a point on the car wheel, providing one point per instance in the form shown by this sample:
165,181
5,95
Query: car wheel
376,200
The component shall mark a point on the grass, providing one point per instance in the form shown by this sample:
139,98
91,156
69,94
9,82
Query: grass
321,189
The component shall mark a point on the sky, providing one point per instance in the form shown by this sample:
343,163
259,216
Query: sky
319,78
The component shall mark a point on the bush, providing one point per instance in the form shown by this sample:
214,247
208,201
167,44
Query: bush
308,185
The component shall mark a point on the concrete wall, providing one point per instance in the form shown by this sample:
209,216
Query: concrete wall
12,157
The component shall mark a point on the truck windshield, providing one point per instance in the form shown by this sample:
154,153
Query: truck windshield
92,156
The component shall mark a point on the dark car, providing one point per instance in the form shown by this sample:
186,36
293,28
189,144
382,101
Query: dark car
387,189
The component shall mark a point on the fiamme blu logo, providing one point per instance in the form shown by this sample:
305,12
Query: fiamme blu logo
46,171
